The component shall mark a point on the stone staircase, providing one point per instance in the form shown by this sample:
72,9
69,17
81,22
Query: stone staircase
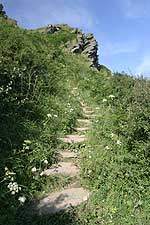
74,194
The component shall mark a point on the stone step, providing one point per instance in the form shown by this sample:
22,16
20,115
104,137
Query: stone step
73,138
80,129
82,104
68,154
64,168
62,200
86,122
88,111
89,116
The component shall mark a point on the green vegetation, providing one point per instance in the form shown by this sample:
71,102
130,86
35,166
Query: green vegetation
37,106
116,159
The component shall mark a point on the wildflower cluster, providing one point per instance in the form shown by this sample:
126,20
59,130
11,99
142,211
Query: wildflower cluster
22,199
115,138
70,107
49,115
14,188
110,97
37,171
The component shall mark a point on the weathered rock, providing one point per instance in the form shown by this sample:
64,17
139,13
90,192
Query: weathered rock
64,168
68,154
78,47
61,200
83,44
52,29
90,49
74,138
89,36
80,129
84,122
87,45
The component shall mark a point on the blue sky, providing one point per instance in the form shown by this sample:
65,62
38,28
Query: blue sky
121,27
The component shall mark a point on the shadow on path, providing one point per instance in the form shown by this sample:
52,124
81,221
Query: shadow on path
63,218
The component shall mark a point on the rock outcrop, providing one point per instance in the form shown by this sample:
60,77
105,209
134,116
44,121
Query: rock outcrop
51,29
78,46
85,44
90,49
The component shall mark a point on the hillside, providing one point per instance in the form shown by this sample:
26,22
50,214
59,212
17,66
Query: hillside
50,78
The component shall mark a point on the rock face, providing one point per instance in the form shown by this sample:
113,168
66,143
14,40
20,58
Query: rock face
85,44
78,46
90,49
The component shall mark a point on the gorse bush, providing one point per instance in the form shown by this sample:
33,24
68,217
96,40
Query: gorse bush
36,107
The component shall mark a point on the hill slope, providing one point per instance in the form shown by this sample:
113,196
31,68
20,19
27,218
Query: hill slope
38,106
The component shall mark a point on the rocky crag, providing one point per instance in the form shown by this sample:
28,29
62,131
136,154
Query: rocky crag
85,44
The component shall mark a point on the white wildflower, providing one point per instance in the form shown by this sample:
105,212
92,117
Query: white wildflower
104,100
22,199
33,170
42,173
27,147
112,135
46,161
13,187
27,142
55,116
107,147
6,168
49,115
9,174
111,96
90,156
118,142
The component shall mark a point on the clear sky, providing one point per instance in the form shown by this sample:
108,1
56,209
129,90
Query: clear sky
121,27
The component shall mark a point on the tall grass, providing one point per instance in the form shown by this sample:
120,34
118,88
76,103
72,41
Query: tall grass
116,160
37,106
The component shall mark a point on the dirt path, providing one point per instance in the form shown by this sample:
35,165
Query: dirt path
74,194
